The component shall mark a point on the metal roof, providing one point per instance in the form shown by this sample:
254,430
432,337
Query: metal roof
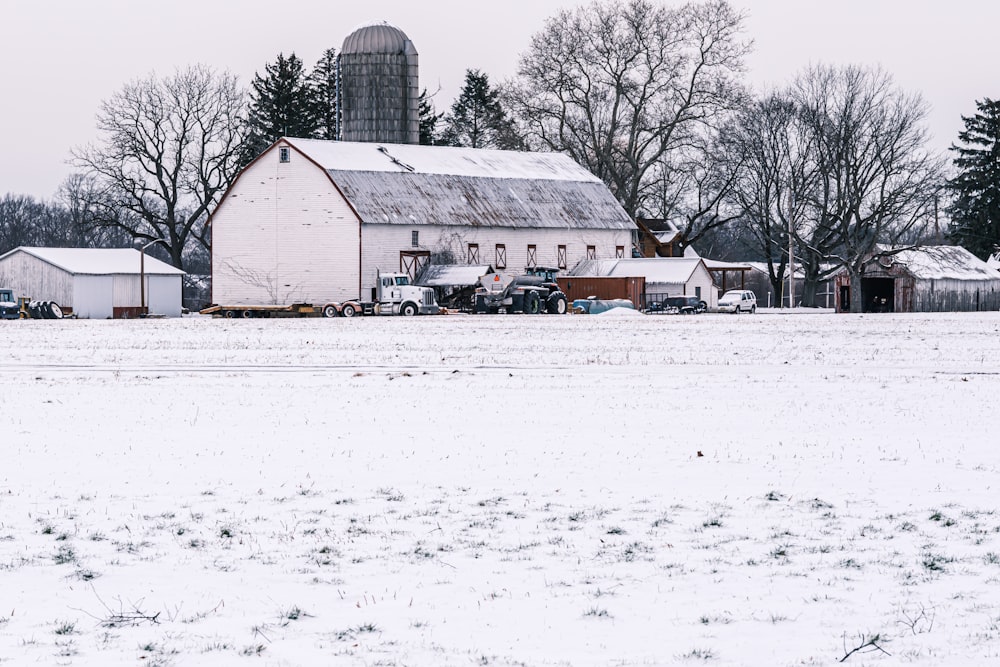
412,185
378,37
944,263
97,261
674,270
452,275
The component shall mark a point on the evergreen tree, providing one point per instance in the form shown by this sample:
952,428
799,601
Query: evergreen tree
281,105
323,90
428,120
478,119
975,211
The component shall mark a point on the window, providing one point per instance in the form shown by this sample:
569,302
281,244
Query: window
415,238
501,259
561,256
473,257
412,262
619,252
532,255
591,252
284,154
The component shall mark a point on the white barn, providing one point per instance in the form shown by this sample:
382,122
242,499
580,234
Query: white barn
664,276
94,283
314,221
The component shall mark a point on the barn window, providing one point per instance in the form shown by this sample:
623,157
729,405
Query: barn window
501,259
561,256
591,252
284,154
414,238
619,252
473,254
532,255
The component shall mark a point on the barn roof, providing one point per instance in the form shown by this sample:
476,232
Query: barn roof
410,185
944,263
97,261
674,270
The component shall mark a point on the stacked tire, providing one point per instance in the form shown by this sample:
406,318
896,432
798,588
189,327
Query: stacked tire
44,310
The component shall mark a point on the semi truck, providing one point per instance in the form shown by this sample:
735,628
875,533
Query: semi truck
393,295
534,292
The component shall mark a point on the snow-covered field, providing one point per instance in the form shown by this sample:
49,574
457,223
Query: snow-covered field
511,490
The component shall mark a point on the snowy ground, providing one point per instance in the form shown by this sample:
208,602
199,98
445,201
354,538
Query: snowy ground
502,490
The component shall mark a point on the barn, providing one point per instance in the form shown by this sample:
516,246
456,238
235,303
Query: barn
920,280
663,276
315,221
94,283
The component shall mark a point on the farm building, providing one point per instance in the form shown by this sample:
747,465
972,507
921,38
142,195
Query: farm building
314,221
663,277
927,279
94,283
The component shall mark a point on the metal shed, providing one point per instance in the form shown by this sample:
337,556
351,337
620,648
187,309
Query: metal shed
923,280
94,283
664,276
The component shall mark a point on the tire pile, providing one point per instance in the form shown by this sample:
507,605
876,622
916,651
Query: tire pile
44,310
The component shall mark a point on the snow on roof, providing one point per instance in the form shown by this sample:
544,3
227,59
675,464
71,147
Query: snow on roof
407,184
452,275
674,270
441,160
717,265
994,261
944,262
98,261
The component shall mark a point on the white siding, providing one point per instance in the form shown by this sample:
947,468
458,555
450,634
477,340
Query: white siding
382,244
284,234
93,297
163,295
30,277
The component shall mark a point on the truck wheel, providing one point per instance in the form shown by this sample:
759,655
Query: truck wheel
329,310
408,309
55,311
348,310
557,304
531,303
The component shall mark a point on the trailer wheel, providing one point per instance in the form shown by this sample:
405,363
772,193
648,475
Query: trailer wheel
409,309
329,310
55,311
557,304
348,310
230,314
531,303
246,314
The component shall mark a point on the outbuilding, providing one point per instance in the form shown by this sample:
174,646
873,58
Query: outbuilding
315,221
923,279
94,283
663,276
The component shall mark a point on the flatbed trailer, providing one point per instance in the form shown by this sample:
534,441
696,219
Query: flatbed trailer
256,310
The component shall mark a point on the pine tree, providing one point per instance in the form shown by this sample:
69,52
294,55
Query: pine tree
975,210
477,119
281,105
323,90
428,120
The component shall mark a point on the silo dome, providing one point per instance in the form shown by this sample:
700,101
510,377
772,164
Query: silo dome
380,96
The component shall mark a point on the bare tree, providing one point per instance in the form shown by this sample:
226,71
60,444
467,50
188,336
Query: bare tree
876,177
170,148
620,86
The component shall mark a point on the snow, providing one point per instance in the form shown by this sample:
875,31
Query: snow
98,261
501,490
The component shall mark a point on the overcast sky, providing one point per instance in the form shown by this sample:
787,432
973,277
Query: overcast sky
60,58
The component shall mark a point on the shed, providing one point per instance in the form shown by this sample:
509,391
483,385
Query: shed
95,283
454,284
923,279
315,221
663,276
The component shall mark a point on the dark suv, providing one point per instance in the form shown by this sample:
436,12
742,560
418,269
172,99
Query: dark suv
686,305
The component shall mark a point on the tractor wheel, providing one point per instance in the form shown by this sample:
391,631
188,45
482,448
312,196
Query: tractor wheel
34,311
44,310
556,304
531,303
55,311
329,310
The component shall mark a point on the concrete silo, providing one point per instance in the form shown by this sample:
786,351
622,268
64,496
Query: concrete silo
379,93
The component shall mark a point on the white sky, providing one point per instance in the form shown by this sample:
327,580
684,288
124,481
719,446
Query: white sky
61,58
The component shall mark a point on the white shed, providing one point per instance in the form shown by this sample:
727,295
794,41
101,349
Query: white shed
665,276
314,221
94,283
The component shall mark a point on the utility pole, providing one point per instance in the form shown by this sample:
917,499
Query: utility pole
791,248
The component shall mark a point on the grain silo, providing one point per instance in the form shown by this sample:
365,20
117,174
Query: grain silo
380,97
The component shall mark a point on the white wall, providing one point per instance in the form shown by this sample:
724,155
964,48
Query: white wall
163,295
284,234
30,277
93,297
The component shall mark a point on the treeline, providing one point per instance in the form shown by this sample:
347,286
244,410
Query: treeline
827,169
